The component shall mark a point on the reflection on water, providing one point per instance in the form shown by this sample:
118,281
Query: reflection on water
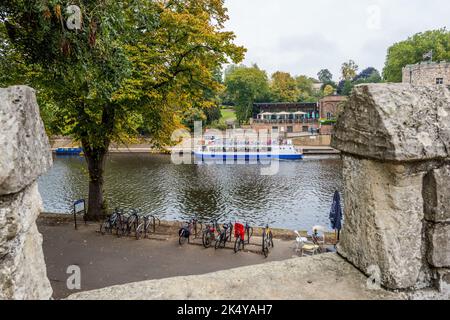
299,196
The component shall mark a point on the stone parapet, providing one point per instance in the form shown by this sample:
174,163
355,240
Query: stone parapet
24,156
395,140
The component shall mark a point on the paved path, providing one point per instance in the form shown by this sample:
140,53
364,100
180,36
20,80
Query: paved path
108,260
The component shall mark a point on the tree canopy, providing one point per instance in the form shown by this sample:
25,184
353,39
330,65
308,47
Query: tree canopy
283,87
130,64
349,70
325,76
411,51
245,86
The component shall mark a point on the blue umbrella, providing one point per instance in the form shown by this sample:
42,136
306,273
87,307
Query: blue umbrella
336,213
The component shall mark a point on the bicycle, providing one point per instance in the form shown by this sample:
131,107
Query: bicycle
126,222
249,231
209,234
187,230
144,226
225,235
267,240
110,223
239,234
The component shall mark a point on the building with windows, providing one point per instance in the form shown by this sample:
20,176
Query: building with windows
427,73
294,119
328,107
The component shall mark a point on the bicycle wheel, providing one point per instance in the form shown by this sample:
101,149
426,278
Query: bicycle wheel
217,245
120,229
237,245
271,239
139,231
265,247
249,234
182,239
103,228
206,239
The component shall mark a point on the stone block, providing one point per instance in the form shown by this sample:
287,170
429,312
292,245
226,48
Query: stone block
438,237
395,122
383,220
436,194
23,273
25,150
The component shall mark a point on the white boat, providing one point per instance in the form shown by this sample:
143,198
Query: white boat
219,150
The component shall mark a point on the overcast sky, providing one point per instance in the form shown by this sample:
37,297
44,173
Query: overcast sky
302,37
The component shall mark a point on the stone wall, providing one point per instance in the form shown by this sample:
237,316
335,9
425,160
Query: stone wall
395,140
24,156
426,73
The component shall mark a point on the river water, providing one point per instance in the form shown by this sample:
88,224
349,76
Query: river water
299,196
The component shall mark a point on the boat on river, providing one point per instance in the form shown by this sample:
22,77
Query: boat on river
223,150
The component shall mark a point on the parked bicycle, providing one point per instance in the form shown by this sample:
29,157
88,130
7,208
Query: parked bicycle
249,232
226,234
127,222
146,223
110,223
209,234
267,240
191,227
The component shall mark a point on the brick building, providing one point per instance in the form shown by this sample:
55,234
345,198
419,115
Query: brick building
427,73
328,107
294,119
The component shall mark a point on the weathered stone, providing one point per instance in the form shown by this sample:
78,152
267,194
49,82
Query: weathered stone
427,73
24,145
319,277
438,236
443,280
383,220
22,267
436,195
395,122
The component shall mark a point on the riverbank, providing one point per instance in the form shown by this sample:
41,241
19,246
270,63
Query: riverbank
107,260
185,147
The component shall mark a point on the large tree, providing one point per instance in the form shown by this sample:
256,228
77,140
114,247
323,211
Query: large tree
412,50
283,87
130,64
325,76
306,89
245,86
349,70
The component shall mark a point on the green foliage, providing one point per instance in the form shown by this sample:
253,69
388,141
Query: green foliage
325,76
192,115
218,124
305,87
134,65
327,121
228,114
349,70
411,51
246,85
283,87
328,90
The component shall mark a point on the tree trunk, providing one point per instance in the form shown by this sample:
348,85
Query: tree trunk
95,145
96,166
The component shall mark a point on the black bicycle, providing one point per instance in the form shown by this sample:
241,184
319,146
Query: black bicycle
190,228
249,232
267,240
110,223
127,222
226,234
